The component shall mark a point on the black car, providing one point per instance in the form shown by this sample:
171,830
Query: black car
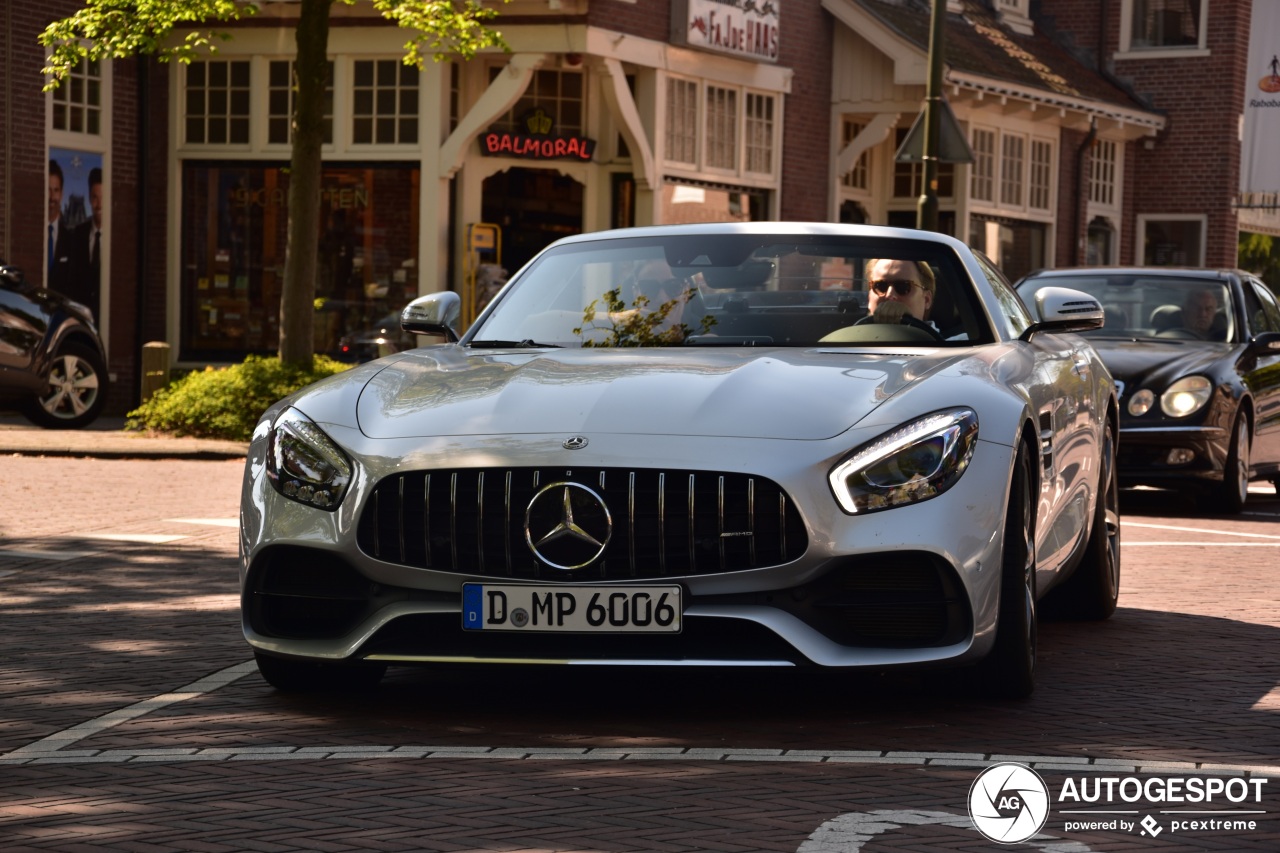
53,367
1196,357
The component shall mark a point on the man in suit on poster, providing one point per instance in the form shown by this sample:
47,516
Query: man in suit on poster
88,240
64,259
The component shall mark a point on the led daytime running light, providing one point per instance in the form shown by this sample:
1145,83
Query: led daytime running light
304,464
912,463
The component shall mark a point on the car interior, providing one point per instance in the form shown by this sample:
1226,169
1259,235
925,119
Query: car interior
759,292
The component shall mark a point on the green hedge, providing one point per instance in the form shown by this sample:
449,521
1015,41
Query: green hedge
226,402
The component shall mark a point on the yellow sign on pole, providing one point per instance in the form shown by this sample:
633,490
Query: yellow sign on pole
483,251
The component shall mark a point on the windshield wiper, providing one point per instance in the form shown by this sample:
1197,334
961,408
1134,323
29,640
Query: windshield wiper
527,343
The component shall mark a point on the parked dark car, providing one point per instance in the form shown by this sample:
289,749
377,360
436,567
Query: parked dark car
1196,357
53,367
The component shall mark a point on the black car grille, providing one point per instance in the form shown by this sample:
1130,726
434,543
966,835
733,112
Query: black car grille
664,523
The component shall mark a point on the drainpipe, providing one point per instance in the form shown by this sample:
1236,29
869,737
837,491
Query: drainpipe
1081,201
144,210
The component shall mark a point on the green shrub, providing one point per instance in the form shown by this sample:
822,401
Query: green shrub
226,402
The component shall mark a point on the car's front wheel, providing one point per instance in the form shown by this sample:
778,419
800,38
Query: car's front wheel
1010,668
1234,491
76,390
296,676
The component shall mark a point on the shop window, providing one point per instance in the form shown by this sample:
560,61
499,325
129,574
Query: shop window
77,103
558,94
982,174
217,102
1172,240
233,250
684,203
1016,246
280,103
682,121
384,102
1166,23
1040,175
1102,173
908,178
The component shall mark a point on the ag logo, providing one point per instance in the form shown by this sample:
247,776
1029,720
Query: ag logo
1009,803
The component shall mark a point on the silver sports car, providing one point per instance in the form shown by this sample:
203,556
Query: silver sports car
767,445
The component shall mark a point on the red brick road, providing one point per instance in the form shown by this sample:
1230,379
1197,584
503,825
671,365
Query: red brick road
577,761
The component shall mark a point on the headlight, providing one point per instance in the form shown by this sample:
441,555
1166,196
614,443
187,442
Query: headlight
1141,402
1186,396
304,464
915,462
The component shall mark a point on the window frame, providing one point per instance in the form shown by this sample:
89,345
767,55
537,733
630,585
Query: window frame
1128,50
1028,169
1145,220
742,129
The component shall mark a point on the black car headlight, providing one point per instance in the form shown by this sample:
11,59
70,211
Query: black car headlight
917,461
304,464
1186,396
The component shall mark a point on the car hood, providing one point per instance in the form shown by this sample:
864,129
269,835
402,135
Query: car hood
776,393
1155,364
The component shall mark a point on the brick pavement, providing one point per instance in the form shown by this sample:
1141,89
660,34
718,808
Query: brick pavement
1182,674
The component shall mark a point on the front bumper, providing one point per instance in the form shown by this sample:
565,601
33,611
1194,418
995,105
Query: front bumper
1169,455
915,585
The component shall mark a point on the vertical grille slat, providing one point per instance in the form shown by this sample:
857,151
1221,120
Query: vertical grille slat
733,522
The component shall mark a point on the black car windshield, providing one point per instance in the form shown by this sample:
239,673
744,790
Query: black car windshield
1150,305
728,290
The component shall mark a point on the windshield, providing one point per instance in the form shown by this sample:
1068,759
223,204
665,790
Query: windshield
731,290
1142,305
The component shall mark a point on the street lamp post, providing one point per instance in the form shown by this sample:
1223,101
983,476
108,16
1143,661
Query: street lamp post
927,211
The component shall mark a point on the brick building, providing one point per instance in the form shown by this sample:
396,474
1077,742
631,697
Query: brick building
608,113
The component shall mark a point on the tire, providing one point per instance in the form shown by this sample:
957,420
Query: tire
1009,670
1093,590
76,390
294,676
1234,491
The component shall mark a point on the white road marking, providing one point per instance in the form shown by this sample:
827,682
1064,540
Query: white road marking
1126,523
849,832
211,522
138,538
1202,544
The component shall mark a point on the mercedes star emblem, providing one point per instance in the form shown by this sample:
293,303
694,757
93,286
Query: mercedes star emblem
567,525
575,442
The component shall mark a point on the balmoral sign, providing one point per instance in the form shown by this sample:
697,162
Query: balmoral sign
743,28
538,144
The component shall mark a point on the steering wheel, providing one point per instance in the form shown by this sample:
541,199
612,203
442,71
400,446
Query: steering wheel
1181,334
880,333
907,320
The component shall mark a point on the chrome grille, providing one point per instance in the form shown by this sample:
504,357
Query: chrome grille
665,523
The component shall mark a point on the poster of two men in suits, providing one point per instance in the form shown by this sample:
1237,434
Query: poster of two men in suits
75,236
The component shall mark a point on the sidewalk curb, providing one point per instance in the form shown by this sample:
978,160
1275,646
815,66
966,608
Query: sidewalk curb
108,439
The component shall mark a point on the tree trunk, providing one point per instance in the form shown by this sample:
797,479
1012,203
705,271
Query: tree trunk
297,299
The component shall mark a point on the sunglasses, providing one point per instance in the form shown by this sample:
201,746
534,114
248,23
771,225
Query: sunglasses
901,286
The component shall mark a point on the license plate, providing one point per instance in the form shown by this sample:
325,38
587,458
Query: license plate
583,609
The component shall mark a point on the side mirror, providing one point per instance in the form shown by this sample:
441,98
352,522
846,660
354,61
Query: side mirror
1062,309
1265,343
433,314
11,277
